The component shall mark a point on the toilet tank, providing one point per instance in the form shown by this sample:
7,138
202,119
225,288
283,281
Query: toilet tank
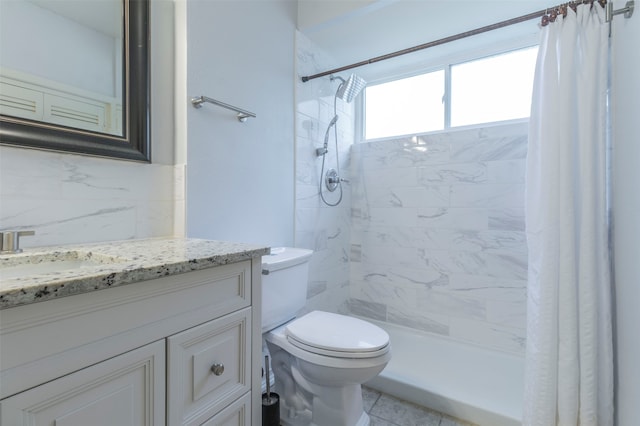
285,273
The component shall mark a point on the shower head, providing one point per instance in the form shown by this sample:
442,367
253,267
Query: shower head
350,88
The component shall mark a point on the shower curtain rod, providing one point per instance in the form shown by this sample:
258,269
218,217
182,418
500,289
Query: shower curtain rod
550,13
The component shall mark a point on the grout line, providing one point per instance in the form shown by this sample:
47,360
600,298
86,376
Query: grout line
384,420
376,401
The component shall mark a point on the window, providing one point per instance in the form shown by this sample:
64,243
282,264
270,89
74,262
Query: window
491,89
400,107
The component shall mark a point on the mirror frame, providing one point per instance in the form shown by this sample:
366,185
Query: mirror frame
135,143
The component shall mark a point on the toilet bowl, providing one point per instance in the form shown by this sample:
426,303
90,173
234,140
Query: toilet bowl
320,359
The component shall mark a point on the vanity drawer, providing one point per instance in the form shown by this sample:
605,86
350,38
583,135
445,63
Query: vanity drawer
208,368
236,414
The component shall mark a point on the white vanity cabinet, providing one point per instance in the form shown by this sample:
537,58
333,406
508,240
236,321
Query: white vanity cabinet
177,350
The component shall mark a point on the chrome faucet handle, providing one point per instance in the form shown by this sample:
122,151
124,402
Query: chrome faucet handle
10,240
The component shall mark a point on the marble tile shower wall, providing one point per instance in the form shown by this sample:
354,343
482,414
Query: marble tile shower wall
71,199
438,239
326,230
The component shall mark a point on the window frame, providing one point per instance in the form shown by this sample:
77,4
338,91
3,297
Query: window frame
444,63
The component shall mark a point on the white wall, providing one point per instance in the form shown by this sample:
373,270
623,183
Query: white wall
314,14
626,207
240,176
68,198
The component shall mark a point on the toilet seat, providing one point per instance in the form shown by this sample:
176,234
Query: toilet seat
338,354
338,336
278,337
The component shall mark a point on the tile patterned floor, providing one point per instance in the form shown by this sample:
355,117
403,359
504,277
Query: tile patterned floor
385,410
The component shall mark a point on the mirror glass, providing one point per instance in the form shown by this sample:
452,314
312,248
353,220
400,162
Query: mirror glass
73,76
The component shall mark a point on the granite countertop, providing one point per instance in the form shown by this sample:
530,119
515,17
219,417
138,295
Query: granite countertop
90,267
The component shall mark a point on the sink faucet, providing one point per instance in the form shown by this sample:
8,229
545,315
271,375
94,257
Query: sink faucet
10,241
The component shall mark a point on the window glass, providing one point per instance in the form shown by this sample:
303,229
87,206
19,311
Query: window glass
496,88
407,106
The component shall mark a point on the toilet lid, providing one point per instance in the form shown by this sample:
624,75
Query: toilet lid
327,332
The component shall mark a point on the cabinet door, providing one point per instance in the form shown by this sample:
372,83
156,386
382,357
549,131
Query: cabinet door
208,368
236,414
126,390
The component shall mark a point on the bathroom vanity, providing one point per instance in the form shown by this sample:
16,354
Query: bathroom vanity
147,332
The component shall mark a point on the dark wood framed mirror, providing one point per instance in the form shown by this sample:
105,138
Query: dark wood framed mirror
62,117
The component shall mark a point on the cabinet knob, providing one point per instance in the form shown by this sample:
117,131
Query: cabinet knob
217,369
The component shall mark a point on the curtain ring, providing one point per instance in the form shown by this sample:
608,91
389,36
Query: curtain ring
545,18
574,6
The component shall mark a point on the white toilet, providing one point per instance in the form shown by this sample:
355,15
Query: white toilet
320,359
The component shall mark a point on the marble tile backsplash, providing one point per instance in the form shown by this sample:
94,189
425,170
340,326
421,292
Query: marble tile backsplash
323,229
69,199
437,234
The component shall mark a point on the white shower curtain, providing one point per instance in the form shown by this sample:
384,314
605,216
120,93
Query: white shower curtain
569,359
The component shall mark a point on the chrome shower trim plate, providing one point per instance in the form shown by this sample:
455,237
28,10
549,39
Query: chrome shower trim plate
331,180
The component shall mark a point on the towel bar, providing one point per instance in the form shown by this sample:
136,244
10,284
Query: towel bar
242,114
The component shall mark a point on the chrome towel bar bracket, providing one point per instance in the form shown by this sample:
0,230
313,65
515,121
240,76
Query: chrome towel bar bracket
242,114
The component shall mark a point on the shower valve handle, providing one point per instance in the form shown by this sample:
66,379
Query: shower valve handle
337,180
332,180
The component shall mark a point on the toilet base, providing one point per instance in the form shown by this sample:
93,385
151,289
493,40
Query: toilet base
329,407
342,406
